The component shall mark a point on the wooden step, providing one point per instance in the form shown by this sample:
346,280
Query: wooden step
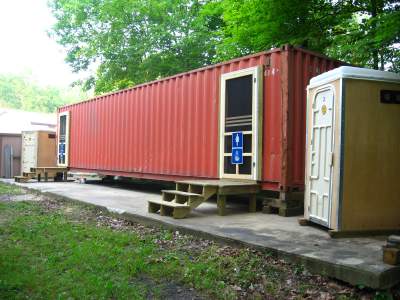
174,192
168,203
21,179
169,208
29,174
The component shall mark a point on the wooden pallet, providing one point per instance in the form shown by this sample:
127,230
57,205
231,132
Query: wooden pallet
50,172
190,194
286,205
45,172
21,179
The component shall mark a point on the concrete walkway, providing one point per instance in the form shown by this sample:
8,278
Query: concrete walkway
354,260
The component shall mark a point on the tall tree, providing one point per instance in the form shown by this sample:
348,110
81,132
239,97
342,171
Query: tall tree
133,41
370,35
256,25
361,32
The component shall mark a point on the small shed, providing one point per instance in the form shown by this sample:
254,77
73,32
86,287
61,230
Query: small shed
39,149
12,123
353,150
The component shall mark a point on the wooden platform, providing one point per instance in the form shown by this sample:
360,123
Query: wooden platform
189,194
285,204
45,172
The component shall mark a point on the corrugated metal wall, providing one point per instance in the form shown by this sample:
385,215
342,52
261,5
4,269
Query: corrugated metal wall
168,129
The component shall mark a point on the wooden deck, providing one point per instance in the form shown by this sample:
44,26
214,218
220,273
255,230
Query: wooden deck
46,172
189,194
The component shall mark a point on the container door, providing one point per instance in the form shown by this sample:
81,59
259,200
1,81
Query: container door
29,151
321,156
240,124
63,139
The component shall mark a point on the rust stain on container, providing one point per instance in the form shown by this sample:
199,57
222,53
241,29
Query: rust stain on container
169,129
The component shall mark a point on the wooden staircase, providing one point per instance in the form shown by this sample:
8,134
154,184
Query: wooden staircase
178,203
190,194
25,177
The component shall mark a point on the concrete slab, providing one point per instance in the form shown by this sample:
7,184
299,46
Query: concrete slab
354,260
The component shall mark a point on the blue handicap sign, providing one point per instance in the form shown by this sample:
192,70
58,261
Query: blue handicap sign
237,156
61,148
237,148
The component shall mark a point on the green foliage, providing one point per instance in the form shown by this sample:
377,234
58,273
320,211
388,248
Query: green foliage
364,33
20,92
257,25
133,41
369,35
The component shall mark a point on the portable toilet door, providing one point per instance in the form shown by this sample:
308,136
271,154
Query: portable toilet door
320,155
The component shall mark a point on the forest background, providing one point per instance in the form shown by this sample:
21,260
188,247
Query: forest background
128,42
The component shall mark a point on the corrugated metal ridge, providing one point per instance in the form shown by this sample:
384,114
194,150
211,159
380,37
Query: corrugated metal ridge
283,48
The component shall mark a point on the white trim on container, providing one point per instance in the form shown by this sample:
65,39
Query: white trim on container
67,124
257,91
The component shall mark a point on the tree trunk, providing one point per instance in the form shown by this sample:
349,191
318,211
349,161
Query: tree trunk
382,61
375,54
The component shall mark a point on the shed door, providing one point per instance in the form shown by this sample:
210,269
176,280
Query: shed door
240,121
8,161
321,157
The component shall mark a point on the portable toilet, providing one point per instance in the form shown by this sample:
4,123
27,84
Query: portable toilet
353,150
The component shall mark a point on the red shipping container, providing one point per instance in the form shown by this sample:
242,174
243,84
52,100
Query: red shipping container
181,127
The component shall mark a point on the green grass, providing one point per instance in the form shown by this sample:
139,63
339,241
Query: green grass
8,189
46,255
62,250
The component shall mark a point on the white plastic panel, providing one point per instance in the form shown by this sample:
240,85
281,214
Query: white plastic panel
29,150
355,73
321,160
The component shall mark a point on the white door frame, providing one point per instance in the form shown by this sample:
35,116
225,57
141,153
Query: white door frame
67,124
257,113
316,219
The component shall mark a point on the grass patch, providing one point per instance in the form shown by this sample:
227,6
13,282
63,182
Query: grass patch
47,256
61,250
10,189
